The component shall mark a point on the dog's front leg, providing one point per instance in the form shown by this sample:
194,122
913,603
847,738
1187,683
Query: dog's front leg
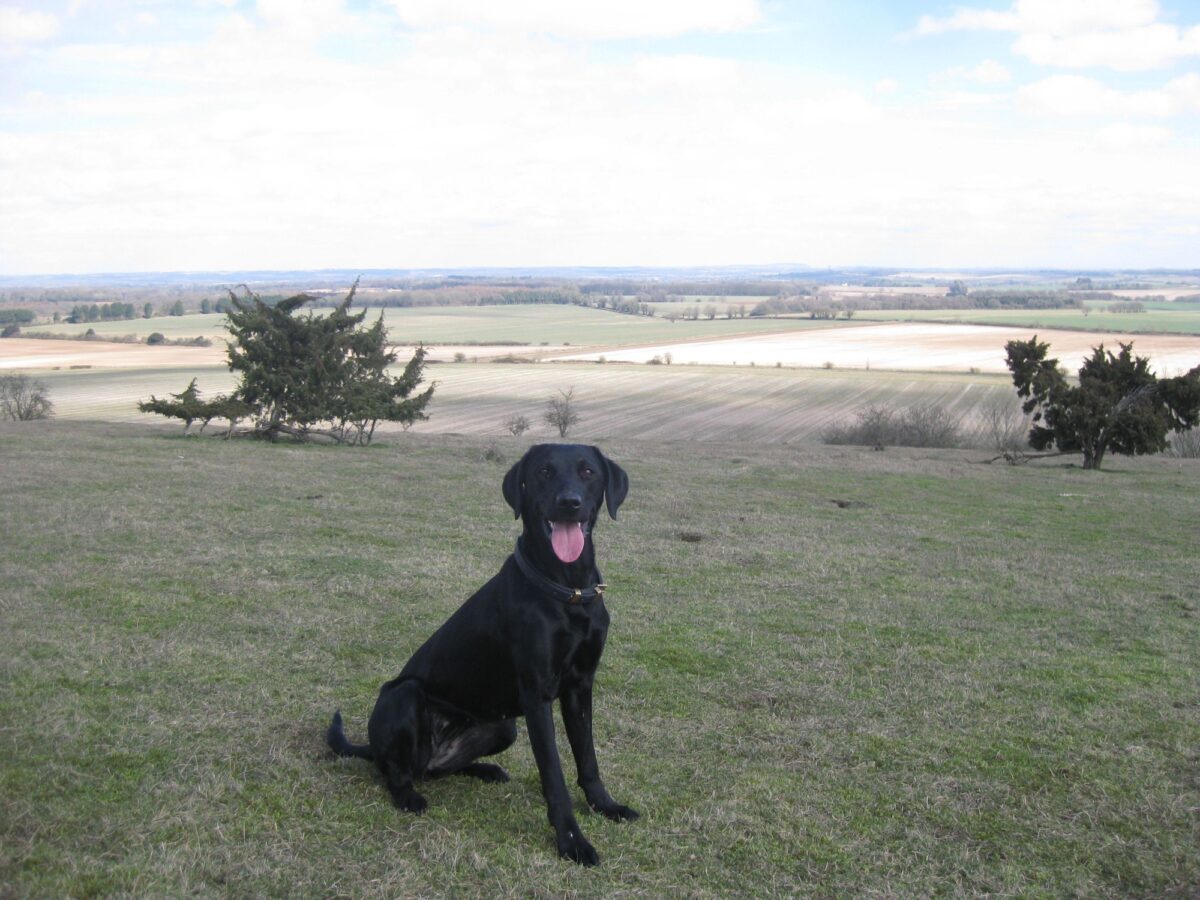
577,717
570,841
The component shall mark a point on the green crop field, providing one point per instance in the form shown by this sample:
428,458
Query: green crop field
531,324
211,326
560,325
861,674
1159,318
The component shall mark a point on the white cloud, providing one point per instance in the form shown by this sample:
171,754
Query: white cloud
18,26
1056,17
1129,135
686,70
1120,34
583,19
1134,49
456,146
1067,17
988,72
1076,95
886,86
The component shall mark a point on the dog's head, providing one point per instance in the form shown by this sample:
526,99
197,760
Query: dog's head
558,488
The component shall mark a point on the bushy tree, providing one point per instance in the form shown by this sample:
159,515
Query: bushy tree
308,375
1118,404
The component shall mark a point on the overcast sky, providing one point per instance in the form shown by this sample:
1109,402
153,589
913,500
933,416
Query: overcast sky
142,135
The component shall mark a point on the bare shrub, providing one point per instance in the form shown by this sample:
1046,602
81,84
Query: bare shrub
517,425
1185,444
921,425
1004,429
560,413
23,399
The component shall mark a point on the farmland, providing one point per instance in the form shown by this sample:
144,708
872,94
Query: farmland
1159,318
676,402
782,380
956,679
539,324
904,346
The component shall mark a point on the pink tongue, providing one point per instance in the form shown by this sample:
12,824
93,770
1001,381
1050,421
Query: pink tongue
567,540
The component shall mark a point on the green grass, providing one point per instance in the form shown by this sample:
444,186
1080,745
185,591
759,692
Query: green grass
974,680
1159,318
556,325
211,326
534,324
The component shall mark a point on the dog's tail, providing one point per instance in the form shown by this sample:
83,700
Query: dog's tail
335,737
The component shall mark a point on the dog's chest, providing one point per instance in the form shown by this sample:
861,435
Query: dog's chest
576,645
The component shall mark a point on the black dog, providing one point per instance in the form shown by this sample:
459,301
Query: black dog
531,635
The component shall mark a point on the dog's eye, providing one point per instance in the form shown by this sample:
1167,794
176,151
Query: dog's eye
587,472
546,472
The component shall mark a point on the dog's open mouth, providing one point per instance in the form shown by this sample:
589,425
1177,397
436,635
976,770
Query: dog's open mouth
567,540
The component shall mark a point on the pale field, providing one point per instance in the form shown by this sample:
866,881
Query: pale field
910,347
36,353
674,403
1168,294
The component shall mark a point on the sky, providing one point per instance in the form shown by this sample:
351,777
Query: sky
192,135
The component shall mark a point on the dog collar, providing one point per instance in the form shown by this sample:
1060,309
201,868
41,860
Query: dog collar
561,591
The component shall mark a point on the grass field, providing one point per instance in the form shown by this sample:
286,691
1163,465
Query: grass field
963,679
1159,318
533,324
211,326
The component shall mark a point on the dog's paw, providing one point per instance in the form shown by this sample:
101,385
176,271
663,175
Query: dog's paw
616,812
410,801
575,847
485,772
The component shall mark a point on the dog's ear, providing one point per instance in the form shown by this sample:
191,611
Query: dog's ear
616,483
514,486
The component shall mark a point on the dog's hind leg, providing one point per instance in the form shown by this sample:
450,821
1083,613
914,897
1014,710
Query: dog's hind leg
457,756
401,742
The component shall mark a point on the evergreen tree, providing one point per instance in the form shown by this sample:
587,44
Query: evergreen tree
185,405
308,375
1118,403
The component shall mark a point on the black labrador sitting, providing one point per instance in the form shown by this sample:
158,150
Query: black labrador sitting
532,635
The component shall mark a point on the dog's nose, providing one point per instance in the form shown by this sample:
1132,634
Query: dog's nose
568,502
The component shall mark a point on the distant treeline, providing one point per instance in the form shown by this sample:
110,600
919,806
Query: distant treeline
16,316
824,306
102,312
459,296
629,286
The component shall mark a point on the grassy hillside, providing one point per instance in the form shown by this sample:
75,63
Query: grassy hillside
958,679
